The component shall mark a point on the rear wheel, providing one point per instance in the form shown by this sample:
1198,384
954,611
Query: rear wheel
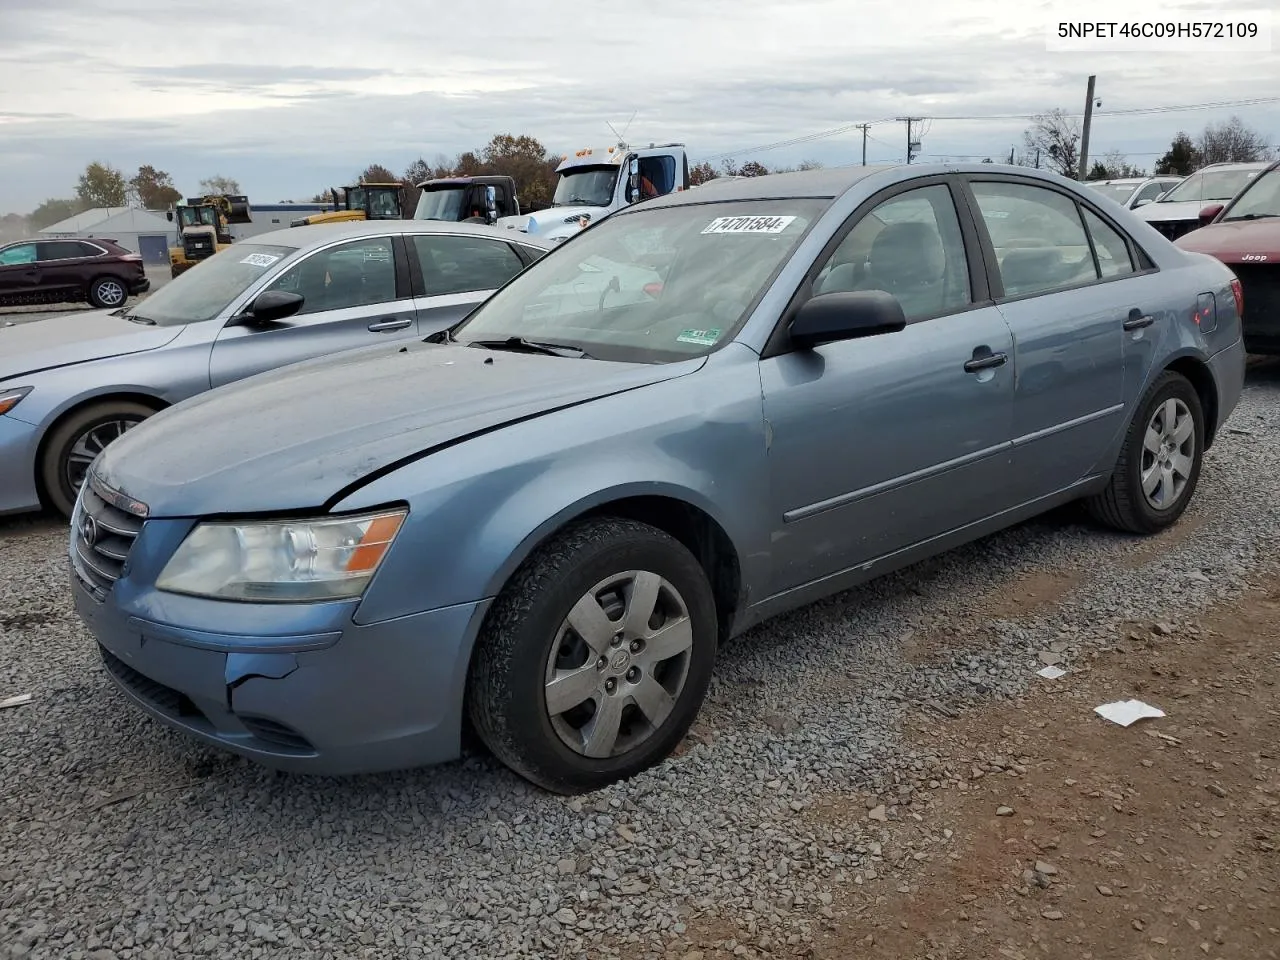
76,442
107,293
1159,465
595,659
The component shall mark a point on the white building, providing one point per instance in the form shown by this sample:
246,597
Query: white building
142,231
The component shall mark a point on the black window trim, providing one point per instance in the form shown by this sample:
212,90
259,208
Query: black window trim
1142,262
779,341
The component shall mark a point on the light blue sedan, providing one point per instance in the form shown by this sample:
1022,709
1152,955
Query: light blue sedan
545,522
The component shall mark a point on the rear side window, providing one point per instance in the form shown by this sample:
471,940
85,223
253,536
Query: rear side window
452,264
1113,252
61,250
92,250
1039,238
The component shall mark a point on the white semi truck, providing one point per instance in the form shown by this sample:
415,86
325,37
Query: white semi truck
594,182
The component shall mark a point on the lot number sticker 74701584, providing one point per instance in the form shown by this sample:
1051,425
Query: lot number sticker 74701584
748,225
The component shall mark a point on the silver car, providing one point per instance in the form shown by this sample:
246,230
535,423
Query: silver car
546,522
70,385
1134,192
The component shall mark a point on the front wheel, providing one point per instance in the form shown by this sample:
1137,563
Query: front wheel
75,443
1159,465
595,659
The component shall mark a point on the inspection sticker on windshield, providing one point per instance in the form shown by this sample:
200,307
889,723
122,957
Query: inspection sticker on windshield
748,225
260,259
706,338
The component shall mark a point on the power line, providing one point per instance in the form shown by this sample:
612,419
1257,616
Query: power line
1129,112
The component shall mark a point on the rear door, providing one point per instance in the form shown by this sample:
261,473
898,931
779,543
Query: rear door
356,294
452,273
1071,309
62,266
19,271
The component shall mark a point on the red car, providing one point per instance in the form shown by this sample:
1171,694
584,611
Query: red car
59,271
1245,235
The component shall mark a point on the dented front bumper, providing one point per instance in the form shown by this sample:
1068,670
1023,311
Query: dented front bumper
297,687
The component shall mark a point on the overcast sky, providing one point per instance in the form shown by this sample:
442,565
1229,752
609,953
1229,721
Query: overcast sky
290,98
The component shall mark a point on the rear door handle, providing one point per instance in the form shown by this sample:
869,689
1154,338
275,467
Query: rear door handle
382,326
986,362
1137,320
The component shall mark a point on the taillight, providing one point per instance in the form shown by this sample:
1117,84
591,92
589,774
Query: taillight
1238,292
653,289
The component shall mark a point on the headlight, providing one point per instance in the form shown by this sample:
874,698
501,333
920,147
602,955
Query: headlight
282,561
10,398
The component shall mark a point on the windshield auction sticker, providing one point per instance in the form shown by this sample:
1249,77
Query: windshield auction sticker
260,259
748,225
706,338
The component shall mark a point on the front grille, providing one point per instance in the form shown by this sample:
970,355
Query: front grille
1261,287
1173,229
198,248
101,537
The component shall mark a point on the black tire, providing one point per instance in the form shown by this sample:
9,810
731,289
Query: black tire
54,480
108,293
506,696
1122,505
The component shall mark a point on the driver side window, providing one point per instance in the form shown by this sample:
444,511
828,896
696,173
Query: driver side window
910,246
23,253
354,274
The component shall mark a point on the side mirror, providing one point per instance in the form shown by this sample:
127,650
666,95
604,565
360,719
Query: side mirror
272,306
831,317
168,214
491,203
633,181
1211,211
1142,203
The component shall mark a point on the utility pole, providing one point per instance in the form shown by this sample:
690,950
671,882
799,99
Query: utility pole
1011,149
1084,134
863,127
911,144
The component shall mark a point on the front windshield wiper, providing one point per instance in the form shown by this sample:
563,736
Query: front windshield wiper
1253,216
531,346
135,317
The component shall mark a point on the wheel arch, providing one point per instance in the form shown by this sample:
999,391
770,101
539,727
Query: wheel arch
1201,377
145,399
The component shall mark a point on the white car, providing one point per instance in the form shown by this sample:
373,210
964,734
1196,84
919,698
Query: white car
1178,211
1134,192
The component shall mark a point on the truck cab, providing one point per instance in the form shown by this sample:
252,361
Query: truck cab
594,182
461,199
363,201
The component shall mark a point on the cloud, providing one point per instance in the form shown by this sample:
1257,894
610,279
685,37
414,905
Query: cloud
289,102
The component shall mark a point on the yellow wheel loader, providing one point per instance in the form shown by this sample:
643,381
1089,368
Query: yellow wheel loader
364,201
204,227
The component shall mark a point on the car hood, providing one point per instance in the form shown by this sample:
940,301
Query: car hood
1232,241
1182,210
554,221
74,338
293,438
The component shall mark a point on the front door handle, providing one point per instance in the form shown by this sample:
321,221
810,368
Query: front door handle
985,362
1137,320
382,326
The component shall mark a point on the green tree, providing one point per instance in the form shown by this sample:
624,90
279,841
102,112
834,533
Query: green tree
219,184
153,189
52,211
102,185
1181,159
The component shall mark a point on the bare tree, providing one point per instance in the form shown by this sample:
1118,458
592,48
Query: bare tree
1232,142
1055,137
219,184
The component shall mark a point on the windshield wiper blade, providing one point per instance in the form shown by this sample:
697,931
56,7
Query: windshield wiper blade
1253,216
531,346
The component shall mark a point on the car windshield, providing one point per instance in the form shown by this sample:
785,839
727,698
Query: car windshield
649,286
586,186
1119,192
441,203
1209,185
196,216
205,290
1260,199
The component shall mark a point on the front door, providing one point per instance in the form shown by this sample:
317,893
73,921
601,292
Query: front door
354,297
886,441
19,271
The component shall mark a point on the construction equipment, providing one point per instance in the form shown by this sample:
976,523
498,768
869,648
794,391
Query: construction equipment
466,199
204,227
364,201
595,182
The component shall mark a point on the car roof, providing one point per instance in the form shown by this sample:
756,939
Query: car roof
1236,165
317,234
831,182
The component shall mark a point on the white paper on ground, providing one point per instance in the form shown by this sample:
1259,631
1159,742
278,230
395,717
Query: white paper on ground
17,701
1051,673
1125,712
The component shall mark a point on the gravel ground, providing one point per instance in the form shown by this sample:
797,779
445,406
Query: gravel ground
120,839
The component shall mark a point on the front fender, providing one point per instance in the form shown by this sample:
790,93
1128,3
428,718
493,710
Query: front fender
479,509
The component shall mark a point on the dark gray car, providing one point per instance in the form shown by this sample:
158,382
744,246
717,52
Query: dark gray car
70,385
